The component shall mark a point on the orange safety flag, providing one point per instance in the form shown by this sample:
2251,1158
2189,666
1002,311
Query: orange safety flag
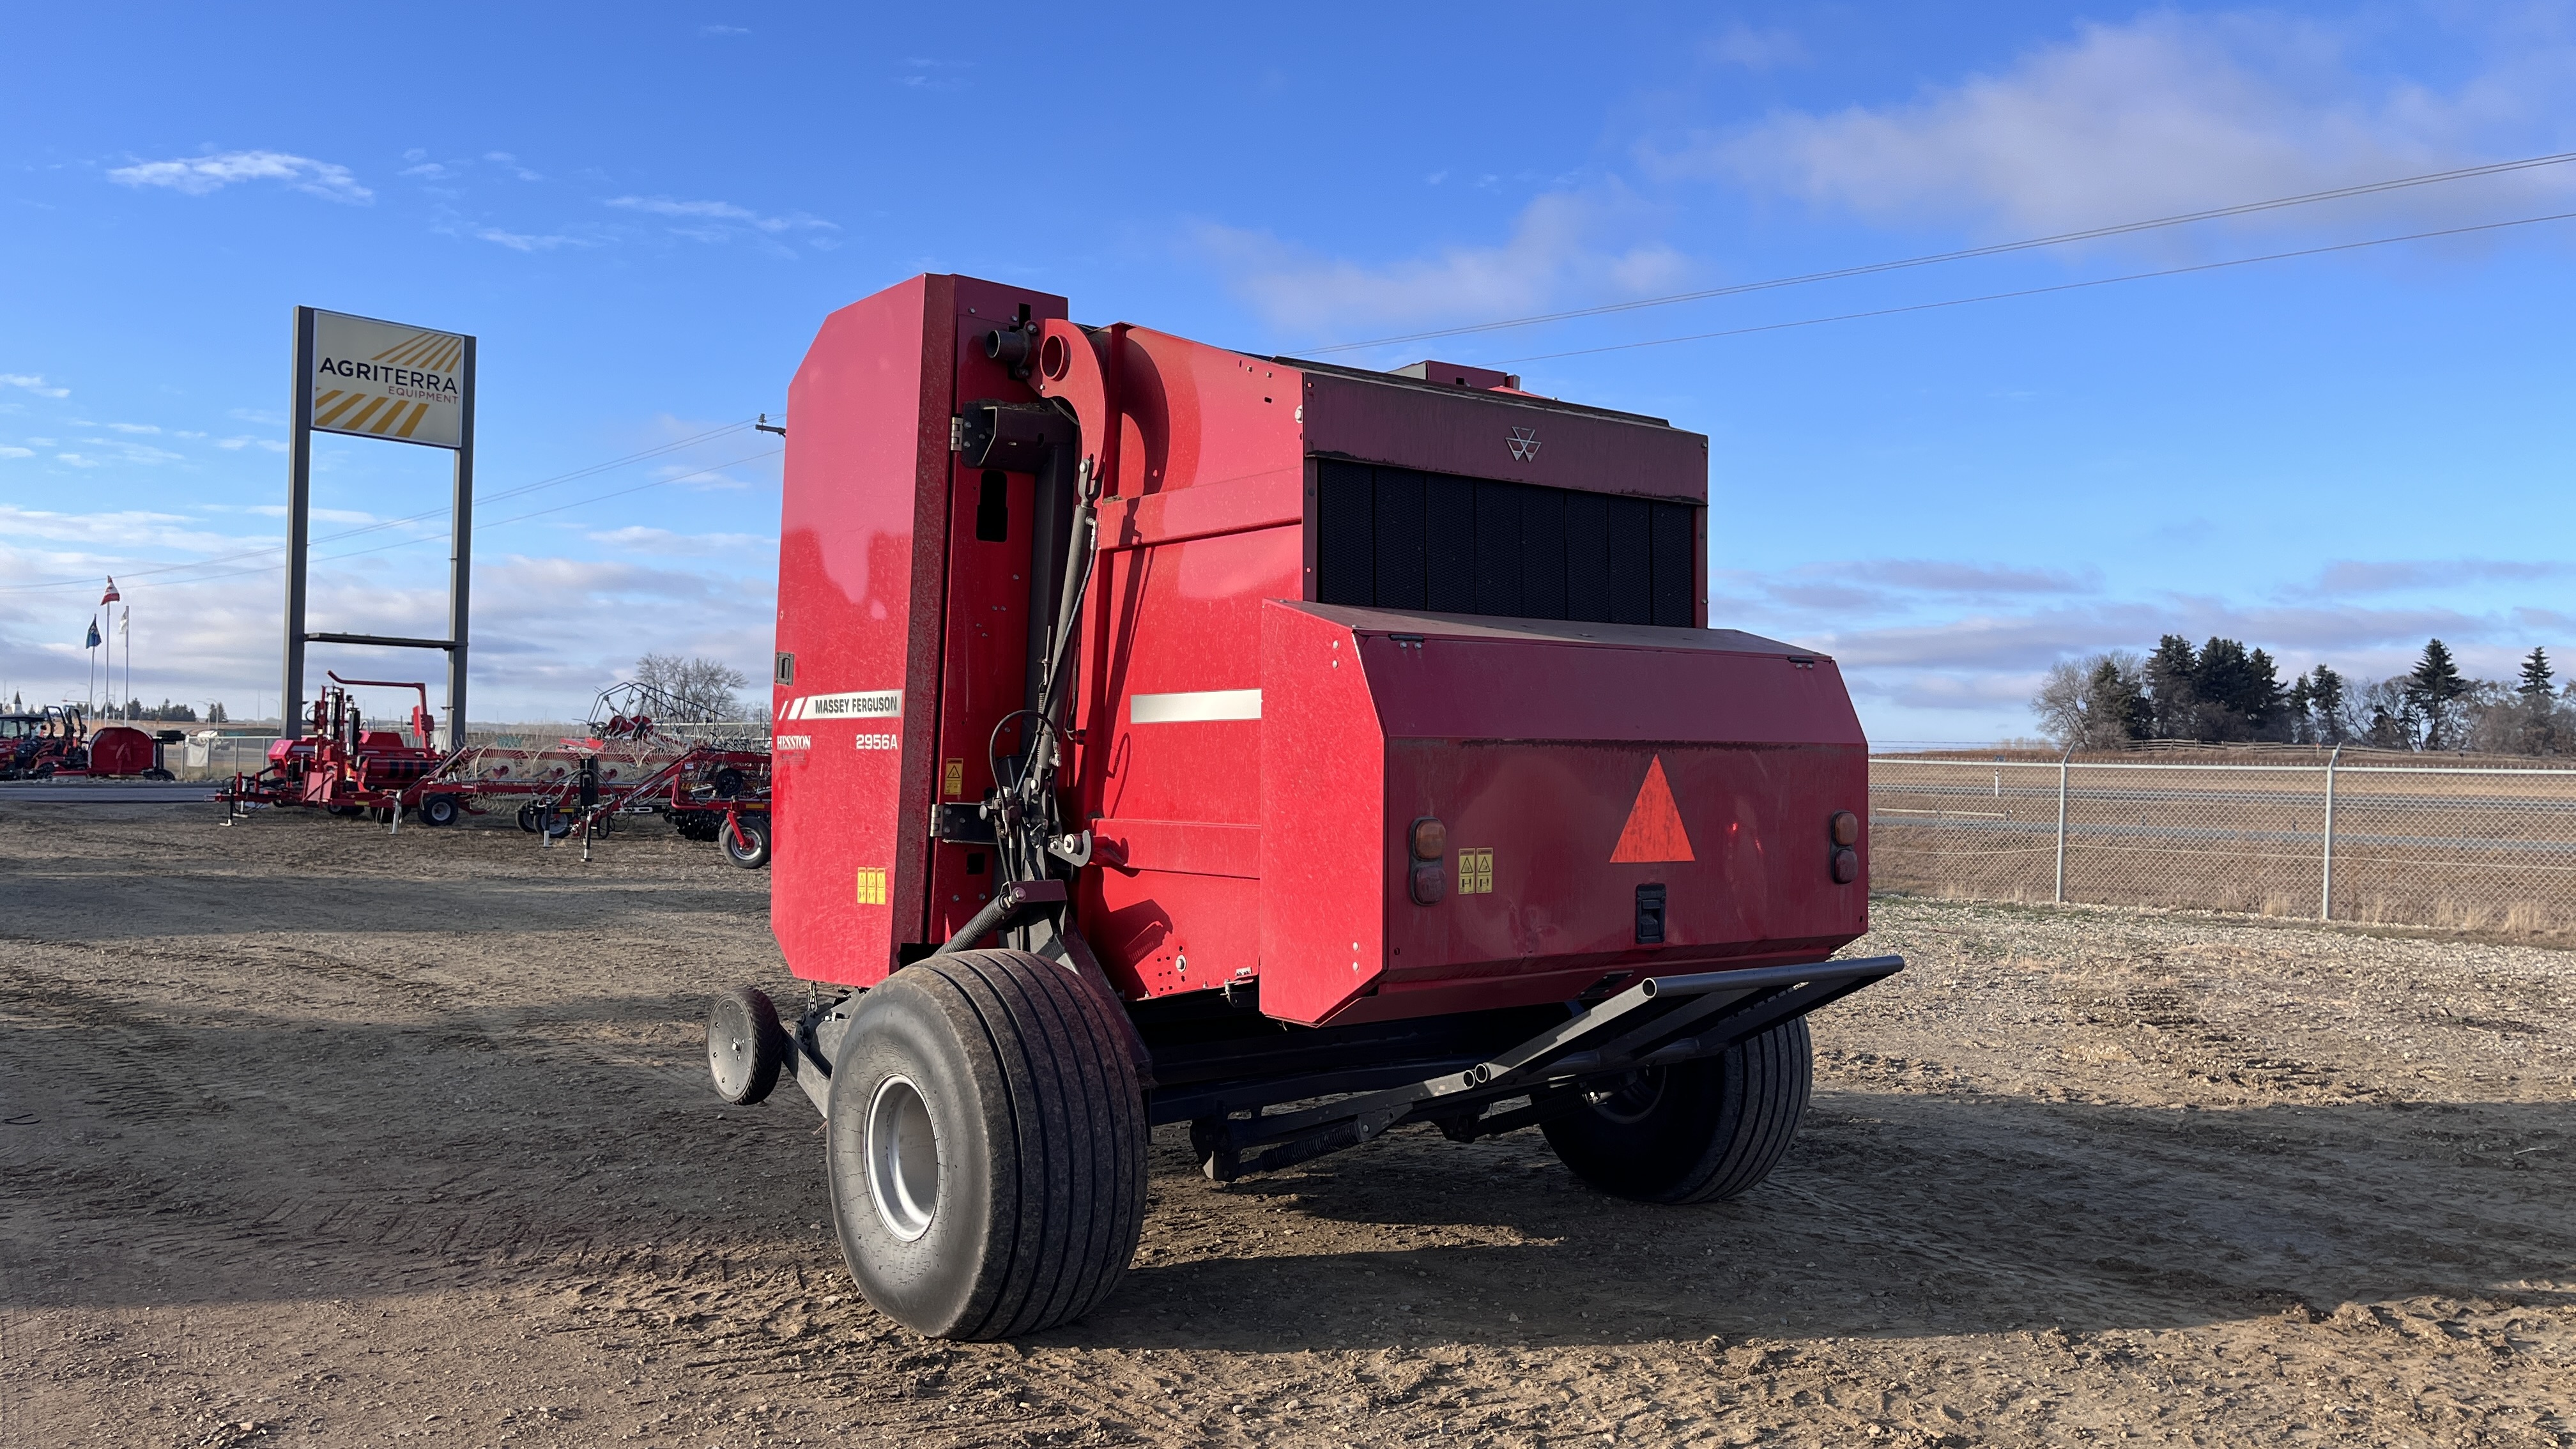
1654,831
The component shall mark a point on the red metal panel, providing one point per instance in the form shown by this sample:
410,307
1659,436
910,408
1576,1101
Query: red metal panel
1533,742
1324,861
1205,525
1491,435
861,544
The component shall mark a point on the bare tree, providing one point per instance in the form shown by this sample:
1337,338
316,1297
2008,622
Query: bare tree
704,687
2095,703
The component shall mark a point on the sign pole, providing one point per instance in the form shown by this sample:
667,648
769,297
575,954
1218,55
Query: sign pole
460,560
368,378
299,499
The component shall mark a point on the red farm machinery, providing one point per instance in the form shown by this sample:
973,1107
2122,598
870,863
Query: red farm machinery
345,764
712,782
1166,734
58,741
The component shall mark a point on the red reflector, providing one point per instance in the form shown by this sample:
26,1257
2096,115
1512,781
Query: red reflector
1430,882
1846,866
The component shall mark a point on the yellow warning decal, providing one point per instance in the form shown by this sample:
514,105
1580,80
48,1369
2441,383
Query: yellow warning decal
1476,872
872,886
952,779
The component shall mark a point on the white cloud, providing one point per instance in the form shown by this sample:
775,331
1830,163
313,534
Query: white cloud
521,242
2170,113
10,451
510,163
663,542
718,220
134,427
1556,253
199,175
722,30
32,383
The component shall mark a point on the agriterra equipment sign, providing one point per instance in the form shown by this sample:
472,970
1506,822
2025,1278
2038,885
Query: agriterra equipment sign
384,380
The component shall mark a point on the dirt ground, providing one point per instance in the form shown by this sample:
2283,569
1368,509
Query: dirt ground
312,1135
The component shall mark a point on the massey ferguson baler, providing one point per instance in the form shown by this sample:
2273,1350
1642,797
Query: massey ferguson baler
1165,734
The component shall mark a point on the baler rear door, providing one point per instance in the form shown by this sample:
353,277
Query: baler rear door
1618,801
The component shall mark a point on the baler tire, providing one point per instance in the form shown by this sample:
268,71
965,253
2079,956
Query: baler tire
528,818
745,1045
437,810
745,841
1010,1081
1713,1129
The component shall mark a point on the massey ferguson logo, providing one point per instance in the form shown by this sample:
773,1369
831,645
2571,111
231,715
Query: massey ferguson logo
1524,444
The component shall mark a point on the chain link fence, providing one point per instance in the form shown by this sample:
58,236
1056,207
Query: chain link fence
2419,844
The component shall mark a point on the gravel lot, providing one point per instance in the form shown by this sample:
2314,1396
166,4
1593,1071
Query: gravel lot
315,1135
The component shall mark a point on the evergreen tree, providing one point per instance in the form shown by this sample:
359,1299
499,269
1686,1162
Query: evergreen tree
2431,689
2537,676
2297,705
2325,694
2123,699
2173,708
215,713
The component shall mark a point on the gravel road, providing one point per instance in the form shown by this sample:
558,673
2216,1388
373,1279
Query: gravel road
314,1135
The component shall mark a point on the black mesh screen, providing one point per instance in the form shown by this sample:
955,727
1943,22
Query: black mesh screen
1394,538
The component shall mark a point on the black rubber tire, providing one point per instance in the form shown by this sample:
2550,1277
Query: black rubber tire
345,812
745,1045
727,783
1037,1130
1698,1131
528,818
158,774
751,851
383,814
437,810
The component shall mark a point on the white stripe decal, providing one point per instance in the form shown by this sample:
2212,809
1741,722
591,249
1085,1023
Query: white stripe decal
1194,706
865,704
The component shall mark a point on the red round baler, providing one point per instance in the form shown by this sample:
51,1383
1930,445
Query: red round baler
1168,734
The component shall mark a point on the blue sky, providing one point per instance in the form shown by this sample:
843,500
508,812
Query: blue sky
643,212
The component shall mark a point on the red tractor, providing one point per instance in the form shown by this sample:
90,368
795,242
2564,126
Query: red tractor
1168,734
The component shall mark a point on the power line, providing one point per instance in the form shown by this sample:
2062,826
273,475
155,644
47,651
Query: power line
2059,287
555,481
2370,188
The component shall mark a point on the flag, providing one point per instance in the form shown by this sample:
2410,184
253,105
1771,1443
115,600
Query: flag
112,594
93,633
125,624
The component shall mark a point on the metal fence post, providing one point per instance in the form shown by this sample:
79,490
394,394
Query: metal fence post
2325,891
2061,823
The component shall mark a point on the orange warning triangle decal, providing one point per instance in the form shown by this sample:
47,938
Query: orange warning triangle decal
1654,830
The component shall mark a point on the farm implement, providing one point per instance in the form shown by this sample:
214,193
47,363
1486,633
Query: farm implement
714,785
59,742
343,766
1169,734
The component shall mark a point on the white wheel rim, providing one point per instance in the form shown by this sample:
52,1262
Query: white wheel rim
903,1159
